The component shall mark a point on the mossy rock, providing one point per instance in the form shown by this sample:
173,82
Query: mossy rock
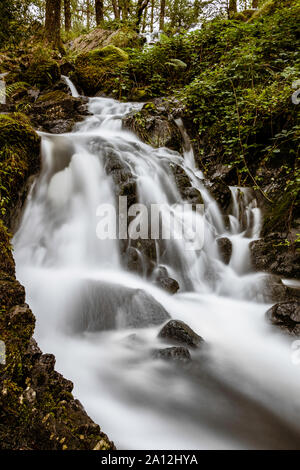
125,37
41,73
19,159
53,96
96,71
269,7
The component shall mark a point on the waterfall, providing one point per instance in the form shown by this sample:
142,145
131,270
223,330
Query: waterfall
101,321
71,85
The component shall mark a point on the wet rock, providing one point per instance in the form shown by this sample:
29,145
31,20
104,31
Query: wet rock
225,248
168,284
134,260
103,306
176,330
140,254
275,290
154,126
163,280
220,192
286,315
272,254
183,183
57,111
175,353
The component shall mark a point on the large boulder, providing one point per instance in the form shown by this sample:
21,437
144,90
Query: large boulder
99,38
180,332
286,315
104,306
96,71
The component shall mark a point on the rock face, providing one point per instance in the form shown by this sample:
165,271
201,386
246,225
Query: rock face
177,354
37,408
180,332
154,126
272,254
286,315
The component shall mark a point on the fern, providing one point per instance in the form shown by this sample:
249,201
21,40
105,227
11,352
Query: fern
176,64
9,90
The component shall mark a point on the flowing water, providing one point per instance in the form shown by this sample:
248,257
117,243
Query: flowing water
241,390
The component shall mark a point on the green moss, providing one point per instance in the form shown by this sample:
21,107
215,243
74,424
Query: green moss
243,15
55,96
41,73
126,37
97,70
19,158
269,7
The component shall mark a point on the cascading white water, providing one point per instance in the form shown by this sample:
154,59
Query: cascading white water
243,389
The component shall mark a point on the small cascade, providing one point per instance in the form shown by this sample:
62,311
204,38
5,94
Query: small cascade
101,321
71,85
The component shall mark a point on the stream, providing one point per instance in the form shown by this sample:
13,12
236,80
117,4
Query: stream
241,390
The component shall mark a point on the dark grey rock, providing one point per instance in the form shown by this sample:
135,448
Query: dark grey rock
178,354
103,306
286,315
176,330
220,191
225,248
168,284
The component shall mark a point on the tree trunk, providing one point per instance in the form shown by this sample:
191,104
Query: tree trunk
162,14
255,3
67,12
88,15
144,20
52,22
152,16
116,9
141,6
125,7
99,12
232,8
